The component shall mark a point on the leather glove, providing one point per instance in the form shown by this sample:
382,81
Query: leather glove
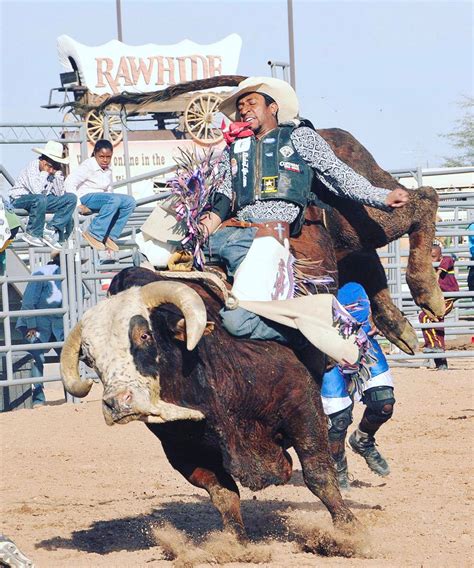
181,261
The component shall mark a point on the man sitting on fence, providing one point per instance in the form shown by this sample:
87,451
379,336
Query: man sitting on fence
40,189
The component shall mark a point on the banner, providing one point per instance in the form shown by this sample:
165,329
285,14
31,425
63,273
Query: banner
115,67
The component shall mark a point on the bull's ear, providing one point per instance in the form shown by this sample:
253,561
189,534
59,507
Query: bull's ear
180,329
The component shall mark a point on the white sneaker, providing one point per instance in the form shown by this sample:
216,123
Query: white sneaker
31,240
51,239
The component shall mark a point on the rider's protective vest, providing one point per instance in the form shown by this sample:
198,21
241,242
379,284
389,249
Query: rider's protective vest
270,168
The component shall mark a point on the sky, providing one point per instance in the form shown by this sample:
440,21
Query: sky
389,72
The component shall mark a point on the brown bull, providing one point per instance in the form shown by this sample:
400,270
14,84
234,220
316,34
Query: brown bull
357,231
257,397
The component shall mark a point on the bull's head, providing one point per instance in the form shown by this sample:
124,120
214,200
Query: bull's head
116,338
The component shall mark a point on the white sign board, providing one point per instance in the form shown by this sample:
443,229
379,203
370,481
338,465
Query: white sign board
115,67
144,156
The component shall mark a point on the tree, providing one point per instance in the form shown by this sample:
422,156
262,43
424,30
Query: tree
462,137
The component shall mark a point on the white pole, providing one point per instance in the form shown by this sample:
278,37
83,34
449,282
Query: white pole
119,20
291,44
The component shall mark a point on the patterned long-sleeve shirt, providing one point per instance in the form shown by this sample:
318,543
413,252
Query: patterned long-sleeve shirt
337,176
33,180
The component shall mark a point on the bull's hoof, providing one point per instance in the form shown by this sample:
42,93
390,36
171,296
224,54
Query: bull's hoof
404,337
347,540
426,293
434,305
407,340
238,531
349,524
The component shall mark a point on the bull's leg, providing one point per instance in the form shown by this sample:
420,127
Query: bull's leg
309,431
421,277
206,472
365,268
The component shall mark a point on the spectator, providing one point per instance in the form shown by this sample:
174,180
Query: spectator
434,337
40,295
40,189
92,182
377,395
9,225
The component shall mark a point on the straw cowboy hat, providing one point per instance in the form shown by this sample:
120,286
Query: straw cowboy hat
53,150
280,91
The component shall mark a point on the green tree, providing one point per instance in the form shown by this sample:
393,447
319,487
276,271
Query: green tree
462,137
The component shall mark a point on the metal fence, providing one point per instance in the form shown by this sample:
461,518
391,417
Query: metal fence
84,272
456,212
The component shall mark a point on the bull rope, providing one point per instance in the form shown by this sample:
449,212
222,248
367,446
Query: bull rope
207,278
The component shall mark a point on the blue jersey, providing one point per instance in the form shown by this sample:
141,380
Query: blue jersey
334,390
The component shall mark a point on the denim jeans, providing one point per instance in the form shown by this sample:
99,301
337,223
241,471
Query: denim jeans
37,369
229,246
114,209
38,205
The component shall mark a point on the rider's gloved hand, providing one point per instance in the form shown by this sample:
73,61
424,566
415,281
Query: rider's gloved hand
181,261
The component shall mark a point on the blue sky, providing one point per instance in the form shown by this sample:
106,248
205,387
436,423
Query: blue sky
389,72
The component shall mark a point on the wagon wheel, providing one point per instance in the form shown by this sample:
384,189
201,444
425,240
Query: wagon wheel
70,117
202,119
95,121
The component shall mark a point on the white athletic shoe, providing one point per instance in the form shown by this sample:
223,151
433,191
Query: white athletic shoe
51,239
31,240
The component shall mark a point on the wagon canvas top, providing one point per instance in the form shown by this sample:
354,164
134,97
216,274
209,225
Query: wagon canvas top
115,67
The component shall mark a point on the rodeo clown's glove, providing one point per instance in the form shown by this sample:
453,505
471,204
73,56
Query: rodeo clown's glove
181,261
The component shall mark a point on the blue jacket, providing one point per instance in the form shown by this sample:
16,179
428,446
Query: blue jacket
40,296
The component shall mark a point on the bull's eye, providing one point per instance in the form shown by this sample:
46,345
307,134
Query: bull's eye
145,336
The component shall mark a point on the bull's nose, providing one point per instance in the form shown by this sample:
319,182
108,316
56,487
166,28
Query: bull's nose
118,402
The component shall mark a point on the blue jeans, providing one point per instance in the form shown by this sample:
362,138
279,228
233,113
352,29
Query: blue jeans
37,369
38,205
229,246
114,209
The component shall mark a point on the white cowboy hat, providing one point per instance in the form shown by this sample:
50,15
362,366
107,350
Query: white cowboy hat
53,150
280,91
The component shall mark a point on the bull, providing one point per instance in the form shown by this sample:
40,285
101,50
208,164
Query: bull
223,408
227,408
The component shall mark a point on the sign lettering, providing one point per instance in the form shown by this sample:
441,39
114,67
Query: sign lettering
115,67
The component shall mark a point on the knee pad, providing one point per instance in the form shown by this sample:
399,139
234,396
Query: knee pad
379,402
340,422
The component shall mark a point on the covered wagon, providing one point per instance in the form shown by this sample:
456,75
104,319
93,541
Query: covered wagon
178,86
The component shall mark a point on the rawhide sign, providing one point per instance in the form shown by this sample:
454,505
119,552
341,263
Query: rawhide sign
115,67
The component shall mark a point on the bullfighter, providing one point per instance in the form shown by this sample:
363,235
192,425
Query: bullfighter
377,394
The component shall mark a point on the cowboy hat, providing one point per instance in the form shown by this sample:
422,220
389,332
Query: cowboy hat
280,91
53,150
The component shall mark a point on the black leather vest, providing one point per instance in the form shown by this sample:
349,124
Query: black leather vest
269,168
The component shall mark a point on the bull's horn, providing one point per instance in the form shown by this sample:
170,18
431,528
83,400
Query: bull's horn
70,365
186,299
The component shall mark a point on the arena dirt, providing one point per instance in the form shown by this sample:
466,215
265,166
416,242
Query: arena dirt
77,493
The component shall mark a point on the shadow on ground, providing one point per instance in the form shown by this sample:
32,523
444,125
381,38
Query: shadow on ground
263,520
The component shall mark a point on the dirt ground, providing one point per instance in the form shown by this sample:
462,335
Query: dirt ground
78,493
